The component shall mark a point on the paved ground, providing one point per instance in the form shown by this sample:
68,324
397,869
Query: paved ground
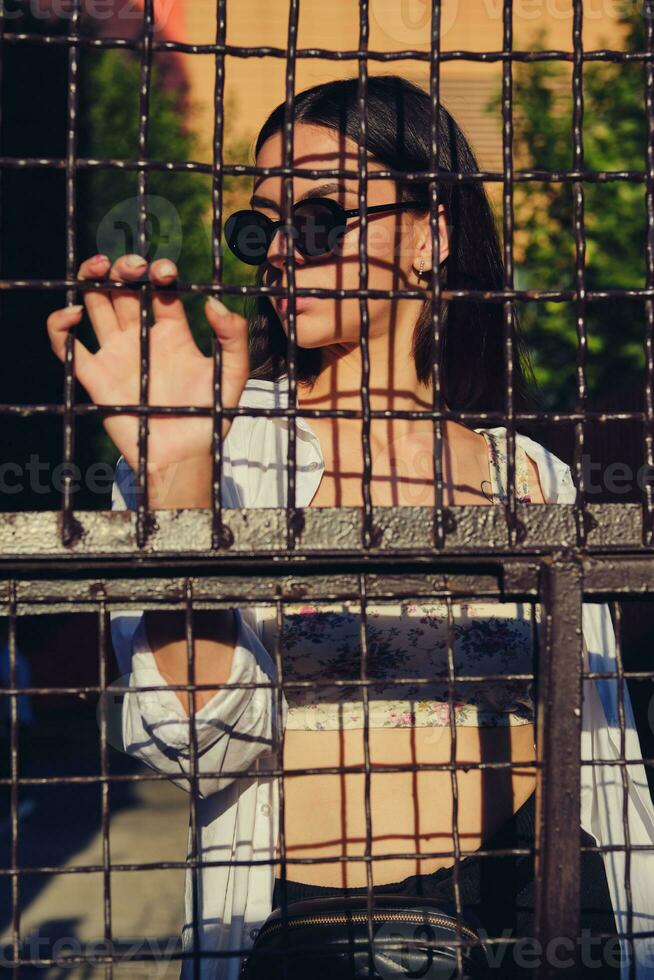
60,825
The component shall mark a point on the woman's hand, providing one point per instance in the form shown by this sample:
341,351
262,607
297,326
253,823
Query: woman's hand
180,374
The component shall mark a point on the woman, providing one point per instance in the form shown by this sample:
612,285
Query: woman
239,731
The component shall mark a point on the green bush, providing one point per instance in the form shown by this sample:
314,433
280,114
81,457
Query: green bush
615,132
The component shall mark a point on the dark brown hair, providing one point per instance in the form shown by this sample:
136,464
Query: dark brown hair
472,333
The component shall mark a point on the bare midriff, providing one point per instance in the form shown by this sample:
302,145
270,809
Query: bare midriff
411,812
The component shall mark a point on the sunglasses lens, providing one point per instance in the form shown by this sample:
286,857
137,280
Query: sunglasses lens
316,231
247,233
317,228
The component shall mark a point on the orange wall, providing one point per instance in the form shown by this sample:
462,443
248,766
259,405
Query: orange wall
255,85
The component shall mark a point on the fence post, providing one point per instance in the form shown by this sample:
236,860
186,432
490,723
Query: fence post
558,732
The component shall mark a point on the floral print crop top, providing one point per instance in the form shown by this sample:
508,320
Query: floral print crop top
407,663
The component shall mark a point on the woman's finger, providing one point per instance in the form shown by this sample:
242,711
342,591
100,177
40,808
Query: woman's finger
59,325
98,304
231,331
166,305
127,268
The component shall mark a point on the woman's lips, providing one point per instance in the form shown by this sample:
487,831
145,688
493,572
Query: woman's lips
301,303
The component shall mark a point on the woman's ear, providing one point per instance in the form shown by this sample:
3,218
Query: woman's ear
424,239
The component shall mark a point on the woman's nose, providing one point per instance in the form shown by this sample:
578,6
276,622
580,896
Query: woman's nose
279,248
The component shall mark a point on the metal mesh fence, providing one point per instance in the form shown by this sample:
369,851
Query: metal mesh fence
560,555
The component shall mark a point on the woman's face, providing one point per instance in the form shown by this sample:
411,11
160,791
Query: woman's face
397,240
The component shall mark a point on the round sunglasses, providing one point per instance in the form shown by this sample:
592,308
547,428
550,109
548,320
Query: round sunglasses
318,225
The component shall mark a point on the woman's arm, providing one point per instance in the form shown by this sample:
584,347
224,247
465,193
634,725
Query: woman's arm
234,726
188,485
231,726
214,638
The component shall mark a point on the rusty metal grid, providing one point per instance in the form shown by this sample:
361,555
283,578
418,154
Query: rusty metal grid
558,554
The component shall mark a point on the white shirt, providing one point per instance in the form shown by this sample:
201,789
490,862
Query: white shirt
238,818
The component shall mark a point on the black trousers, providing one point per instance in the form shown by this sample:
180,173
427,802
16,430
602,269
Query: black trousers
500,892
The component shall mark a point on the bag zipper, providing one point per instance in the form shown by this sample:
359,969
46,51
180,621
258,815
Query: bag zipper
379,916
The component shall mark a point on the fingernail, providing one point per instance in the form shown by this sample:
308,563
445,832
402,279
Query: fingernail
75,309
166,269
100,258
216,305
134,261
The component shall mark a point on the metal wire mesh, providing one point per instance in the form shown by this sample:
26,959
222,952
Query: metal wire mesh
560,554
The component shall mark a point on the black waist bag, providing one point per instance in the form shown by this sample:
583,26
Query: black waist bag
328,939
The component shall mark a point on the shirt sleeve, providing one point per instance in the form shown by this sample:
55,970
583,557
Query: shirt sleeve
233,730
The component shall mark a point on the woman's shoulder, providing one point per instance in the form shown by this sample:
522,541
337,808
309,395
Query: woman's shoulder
264,393
246,444
554,475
